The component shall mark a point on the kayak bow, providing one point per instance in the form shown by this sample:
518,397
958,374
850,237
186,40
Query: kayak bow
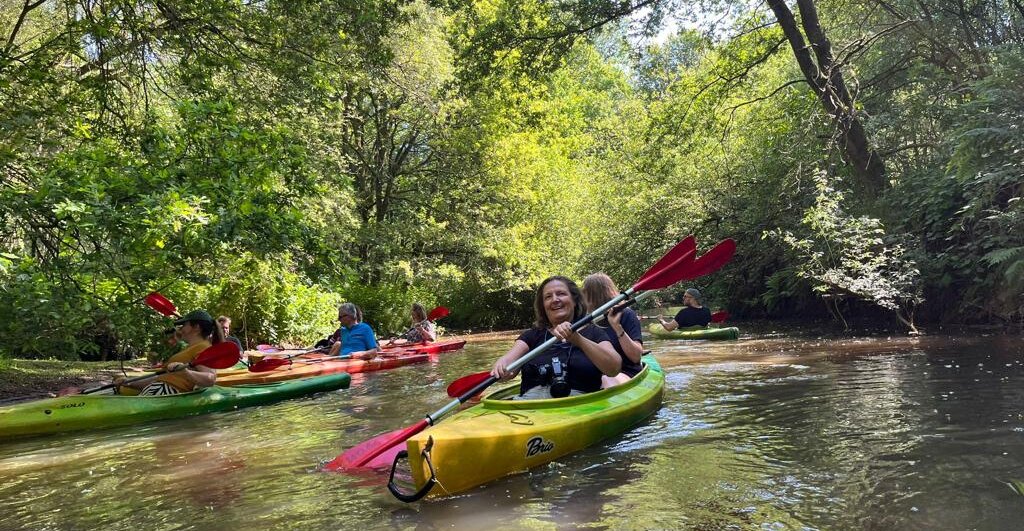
499,436
659,331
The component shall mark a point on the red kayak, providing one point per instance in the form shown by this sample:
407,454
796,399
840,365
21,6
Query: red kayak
305,367
427,348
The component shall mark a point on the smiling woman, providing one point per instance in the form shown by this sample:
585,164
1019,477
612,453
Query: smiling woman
573,366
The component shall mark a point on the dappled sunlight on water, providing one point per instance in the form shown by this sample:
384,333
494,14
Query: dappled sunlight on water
769,431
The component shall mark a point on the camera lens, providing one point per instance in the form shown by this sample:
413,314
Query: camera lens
560,388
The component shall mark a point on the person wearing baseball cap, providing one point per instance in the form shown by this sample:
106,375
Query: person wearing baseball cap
200,332
693,314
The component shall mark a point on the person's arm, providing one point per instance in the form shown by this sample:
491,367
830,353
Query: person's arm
138,384
668,325
630,347
369,339
365,354
201,375
602,354
427,332
518,350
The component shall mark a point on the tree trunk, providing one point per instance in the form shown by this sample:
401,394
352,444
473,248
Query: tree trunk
826,79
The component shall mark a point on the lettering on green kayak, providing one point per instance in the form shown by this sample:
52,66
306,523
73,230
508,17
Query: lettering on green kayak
64,406
538,445
518,418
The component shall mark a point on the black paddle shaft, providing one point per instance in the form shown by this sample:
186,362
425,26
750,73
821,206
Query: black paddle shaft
480,387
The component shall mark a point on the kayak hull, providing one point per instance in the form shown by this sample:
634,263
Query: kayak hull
79,412
309,365
436,347
719,334
308,368
499,437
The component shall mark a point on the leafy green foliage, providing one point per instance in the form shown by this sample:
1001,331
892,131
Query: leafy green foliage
269,160
846,256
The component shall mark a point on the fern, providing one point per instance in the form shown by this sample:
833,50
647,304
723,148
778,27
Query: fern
999,256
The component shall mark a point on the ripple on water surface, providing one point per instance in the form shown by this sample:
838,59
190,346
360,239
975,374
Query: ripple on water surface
765,432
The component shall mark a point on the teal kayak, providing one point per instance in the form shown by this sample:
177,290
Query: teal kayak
659,331
80,412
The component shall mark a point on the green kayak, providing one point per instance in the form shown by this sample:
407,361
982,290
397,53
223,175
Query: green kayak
659,331
79,412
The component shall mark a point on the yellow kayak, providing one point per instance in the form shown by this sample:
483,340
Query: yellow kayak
499,437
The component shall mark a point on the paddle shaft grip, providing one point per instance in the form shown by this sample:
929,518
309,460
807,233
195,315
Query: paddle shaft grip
514,366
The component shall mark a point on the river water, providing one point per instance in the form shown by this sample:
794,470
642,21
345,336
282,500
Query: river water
768,432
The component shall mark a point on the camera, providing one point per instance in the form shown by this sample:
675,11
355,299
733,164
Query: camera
559,386
552,375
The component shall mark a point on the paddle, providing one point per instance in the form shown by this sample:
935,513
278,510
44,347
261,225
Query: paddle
220,356
437,313
709,262
161,304
664,273
269,364
464,384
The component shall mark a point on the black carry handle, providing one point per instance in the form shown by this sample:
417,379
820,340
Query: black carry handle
425,489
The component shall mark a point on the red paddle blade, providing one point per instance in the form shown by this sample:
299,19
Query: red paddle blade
268,364
460,386
668,275
714,259
160,303
364,454
689,243
719,316
220,356
437,313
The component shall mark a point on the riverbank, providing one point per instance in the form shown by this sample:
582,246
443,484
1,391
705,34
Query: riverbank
27,379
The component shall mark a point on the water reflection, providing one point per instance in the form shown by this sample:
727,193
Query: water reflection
765,432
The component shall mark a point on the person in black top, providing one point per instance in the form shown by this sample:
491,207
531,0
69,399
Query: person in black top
577,362
622,327
692,315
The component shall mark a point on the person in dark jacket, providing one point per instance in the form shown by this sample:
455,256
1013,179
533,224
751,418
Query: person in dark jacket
693,314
